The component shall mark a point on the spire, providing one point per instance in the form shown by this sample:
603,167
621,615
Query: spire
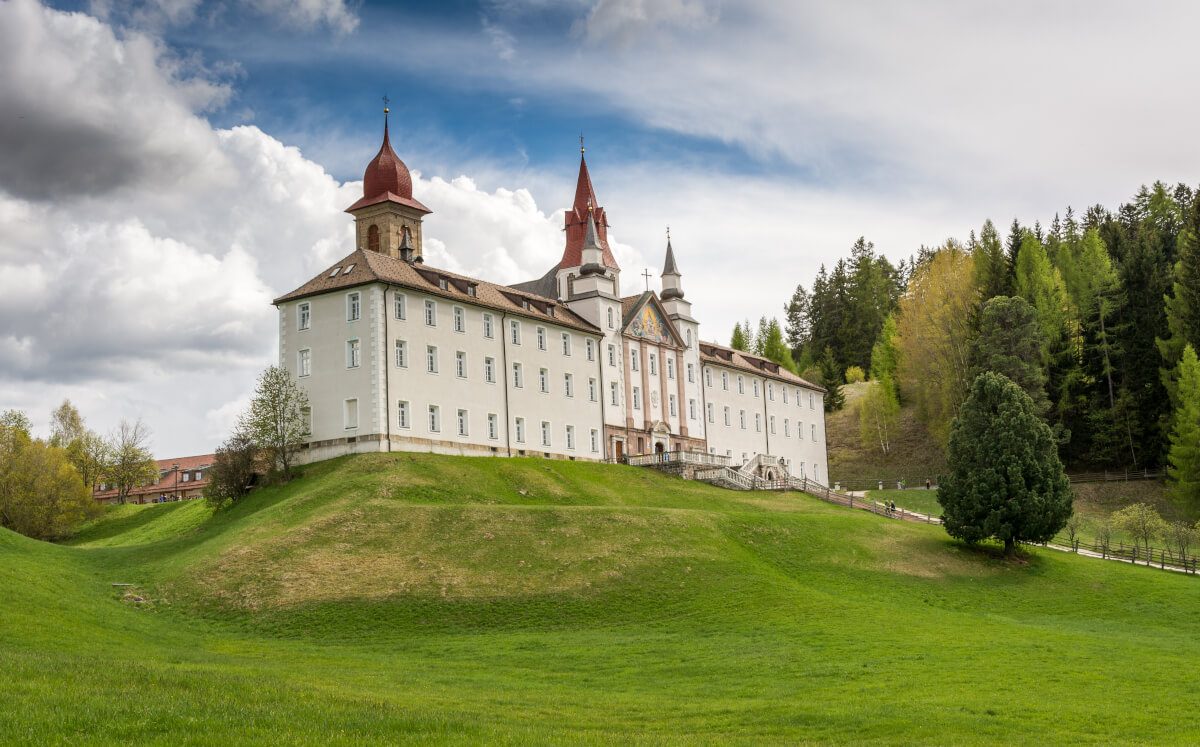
589,238
576,221
670,268
591,255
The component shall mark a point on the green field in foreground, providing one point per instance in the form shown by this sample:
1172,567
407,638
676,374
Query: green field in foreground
426,599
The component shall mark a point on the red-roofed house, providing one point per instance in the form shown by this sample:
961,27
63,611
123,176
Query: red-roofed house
179,479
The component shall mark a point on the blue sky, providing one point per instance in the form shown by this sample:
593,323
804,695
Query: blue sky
170,166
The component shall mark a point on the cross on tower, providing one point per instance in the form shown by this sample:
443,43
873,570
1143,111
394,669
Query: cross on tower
581,142
386,101
646,274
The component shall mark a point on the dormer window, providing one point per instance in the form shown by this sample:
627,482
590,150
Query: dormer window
349,267
471,291
442,283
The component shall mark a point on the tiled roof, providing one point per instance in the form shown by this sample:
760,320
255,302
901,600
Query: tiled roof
166,471
629,303
365,266
546,285
743,361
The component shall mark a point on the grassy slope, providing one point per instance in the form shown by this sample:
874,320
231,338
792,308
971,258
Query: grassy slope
914,454
428,599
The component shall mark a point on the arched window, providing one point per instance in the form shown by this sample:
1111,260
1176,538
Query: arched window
373,238
570,285
610,319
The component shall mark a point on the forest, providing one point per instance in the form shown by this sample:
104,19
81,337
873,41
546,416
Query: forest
1091,315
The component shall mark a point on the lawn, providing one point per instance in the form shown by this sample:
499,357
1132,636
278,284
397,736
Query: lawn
914,499
425,599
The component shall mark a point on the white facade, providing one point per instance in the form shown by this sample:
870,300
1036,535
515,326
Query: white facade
397,356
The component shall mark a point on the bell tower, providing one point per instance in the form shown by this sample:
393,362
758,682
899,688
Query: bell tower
387,216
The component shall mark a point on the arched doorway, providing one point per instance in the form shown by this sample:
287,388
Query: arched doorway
658,447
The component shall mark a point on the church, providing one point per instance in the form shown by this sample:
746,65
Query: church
396,355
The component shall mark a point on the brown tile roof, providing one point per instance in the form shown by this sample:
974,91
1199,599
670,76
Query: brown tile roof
364,267
757,365
166,471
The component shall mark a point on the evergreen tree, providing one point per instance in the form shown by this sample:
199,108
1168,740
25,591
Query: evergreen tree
1183,305
1184,455
831,379
774,347
885,355
1005,480
991,266
796,314
1010,343
738,340
1012,248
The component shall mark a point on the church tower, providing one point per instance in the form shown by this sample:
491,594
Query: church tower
387,219
585,209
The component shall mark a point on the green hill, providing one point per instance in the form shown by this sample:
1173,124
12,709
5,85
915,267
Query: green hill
418,598
914,454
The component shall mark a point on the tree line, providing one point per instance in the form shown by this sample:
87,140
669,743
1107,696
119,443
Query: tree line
1091,316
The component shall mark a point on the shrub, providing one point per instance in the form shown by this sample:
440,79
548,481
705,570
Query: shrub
854,375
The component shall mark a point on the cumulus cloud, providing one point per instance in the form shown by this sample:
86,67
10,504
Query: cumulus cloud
625,21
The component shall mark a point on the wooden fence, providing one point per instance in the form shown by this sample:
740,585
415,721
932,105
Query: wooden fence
891,483
1162,557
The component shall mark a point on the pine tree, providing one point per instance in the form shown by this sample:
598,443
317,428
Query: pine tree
1184,455
1005,480
1010,343
738,340
991,266
774,348
1183,305
831,379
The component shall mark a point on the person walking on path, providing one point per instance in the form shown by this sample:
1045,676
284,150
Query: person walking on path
927,483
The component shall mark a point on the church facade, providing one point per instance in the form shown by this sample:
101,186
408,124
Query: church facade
396,355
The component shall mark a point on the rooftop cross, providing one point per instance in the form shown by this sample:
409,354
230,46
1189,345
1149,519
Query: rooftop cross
386,101
580,142
646,274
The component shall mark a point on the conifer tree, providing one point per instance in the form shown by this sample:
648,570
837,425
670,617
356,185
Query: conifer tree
1010,343
738,340
1184,455
1183,305
1005,480
991,266
774,348
831,379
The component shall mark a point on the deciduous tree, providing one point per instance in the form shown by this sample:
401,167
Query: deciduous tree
878,414
276,419
234,467
130,462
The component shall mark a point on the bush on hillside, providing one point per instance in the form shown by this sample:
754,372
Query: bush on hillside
234,468
41,494
855,375
1006,480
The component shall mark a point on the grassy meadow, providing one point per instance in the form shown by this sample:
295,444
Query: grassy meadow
426,599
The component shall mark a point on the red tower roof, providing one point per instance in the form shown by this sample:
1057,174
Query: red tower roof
576,220
387,179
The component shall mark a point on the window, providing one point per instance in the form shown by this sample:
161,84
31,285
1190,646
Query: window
633,359
545,433
814,431
493,426
772,425
514,327
462,422
350,414
402,414
742,384
653,364
566,343
591,350
691,409
517,375
520,430
742,419
304,316
460,319
304,363
306,420
431,362
758,422
671,405
725,380
487,326
756,388
568,385
353,307
816,472
612,355
570,437
708,377
543,381
541,338
443,284
689,339
489,370
610,318
691,370
726,415
401,354
186,477
460,364
616,395
800,429
373,238
399,306
670,367
709,408
783,391
352,356
591,390
435,421
786,430
637,398
431,313
595,440
810,400
770,391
